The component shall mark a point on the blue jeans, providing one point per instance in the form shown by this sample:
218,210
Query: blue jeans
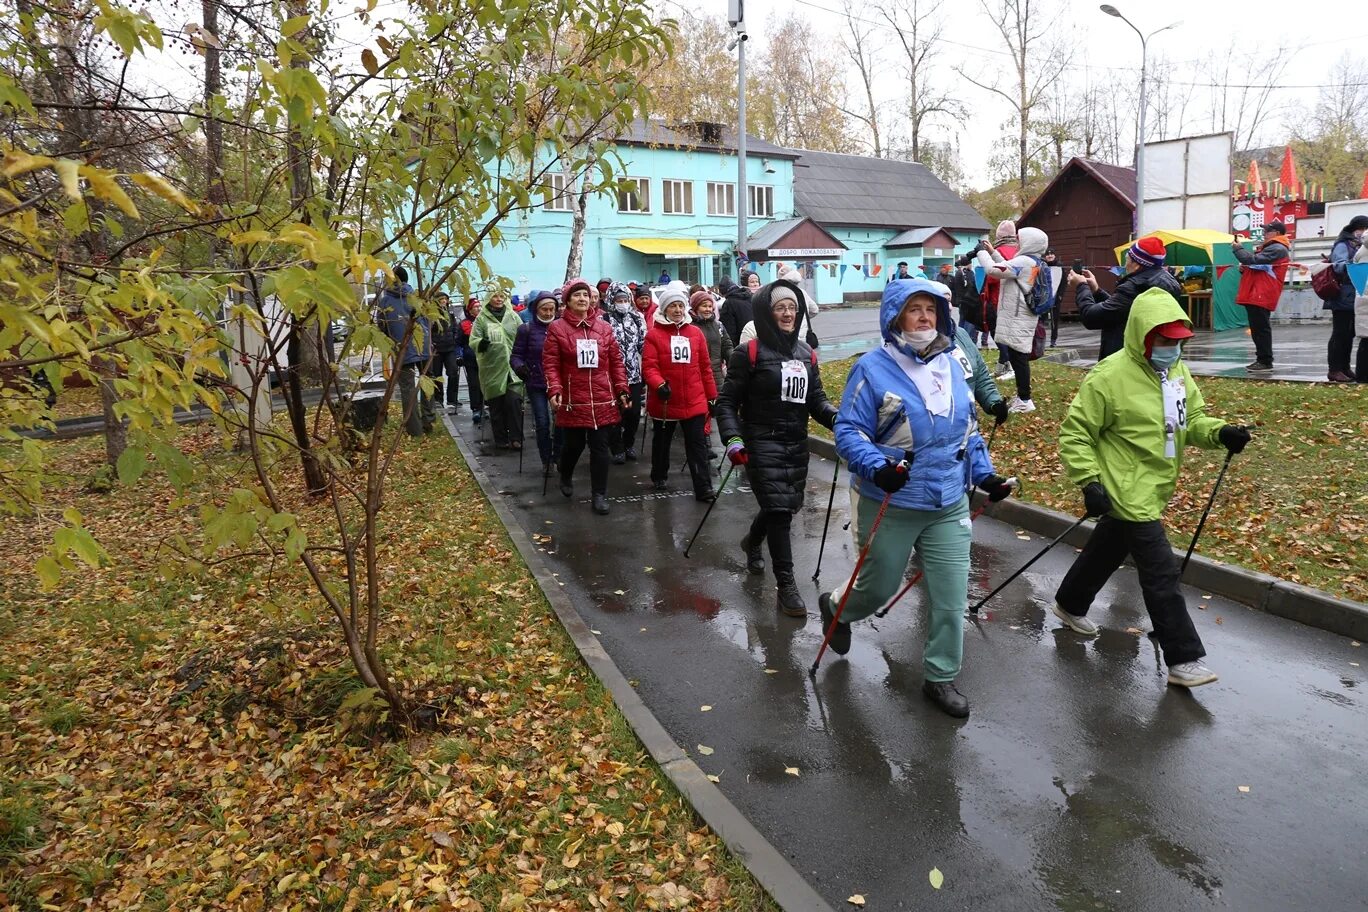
971,329
548,438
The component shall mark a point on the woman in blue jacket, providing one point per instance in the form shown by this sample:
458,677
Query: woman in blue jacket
911,400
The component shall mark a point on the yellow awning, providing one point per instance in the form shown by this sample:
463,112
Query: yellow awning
685,247
1189,246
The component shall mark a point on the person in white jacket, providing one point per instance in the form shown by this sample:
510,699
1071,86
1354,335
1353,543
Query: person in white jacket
1016,322
809,309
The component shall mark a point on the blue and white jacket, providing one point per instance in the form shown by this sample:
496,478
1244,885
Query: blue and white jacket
883,414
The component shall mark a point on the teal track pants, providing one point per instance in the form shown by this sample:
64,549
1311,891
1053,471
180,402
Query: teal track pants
942,539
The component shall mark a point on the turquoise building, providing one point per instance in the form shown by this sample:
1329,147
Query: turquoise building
844,221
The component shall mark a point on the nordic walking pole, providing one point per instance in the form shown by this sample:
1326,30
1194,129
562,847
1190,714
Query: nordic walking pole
831,499
1230,454
864,553
692,538
1059,538
520,458
917,577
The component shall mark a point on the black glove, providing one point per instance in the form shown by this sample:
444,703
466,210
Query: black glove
999,411
483,346
663,391
712,407
1234,437
996,487
891,477
1095,499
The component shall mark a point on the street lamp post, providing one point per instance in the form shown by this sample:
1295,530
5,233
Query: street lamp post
736,17
1140,143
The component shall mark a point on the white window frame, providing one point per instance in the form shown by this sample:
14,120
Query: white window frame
643,196
761,193
726,193
557,191
870,261
676,197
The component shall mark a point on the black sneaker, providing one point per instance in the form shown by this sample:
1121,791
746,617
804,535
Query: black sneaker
840,638
707,496
755,558
600,505
947,699
630,453
1259,367
619,458
567,487
661,485
790,600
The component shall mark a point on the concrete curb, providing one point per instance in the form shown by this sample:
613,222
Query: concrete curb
766,864
1293,601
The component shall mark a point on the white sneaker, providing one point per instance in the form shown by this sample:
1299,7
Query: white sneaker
1075,622
1020,406
1005,376
1190,674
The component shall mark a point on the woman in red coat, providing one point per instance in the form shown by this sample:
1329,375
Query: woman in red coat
586,383
680,389
1261,283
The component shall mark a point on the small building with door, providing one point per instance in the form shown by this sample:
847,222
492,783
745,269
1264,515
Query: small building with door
1087,210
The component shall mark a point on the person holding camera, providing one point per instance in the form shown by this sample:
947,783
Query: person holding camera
1109,312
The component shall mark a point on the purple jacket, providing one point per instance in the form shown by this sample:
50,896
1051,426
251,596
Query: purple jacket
527,354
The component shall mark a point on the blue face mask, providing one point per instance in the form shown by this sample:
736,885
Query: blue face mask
1164,358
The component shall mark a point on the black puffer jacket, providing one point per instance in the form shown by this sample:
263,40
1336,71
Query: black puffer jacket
1109,313
737,309
774,431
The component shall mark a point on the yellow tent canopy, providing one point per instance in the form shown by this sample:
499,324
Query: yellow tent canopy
685,247
1190,247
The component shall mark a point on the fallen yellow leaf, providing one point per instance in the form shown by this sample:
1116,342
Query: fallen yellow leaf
1243,788
937,878
791,770
705,708
856,900
705,750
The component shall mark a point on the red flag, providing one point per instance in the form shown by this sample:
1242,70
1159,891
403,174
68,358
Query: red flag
1253,185
1363,193
1289,172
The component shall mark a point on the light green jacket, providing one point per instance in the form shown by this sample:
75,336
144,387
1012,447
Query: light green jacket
496,372
1114,431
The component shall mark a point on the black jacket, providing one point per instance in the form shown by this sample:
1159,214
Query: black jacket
737,309
1110,312
445,334
774,431
964,294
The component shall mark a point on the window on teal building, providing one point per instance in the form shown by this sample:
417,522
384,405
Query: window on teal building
721,199
634,195
678,197
557,192
761,201
870,261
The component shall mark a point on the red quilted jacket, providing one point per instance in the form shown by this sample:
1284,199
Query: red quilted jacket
679,355
588,394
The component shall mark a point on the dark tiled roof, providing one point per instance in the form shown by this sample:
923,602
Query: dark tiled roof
836,189
1121,180
686,136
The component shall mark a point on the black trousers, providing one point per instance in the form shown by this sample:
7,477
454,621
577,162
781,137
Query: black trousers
1361,370
599,455
448,363
774,526
695,451
472,371
1261,332
1157,567
1341,340
623,435
1054,325
506,417
1021,367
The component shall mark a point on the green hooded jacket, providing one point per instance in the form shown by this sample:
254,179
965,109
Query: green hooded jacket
496,371
1114,431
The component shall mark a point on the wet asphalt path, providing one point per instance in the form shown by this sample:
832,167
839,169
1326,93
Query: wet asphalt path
1081,782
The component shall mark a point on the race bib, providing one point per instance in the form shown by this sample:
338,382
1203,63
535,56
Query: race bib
681,352
586,353
793,382
1175,413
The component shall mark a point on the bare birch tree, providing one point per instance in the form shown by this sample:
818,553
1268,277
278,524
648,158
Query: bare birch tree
918,25
861,44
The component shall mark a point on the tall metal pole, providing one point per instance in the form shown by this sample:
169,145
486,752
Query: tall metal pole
742,201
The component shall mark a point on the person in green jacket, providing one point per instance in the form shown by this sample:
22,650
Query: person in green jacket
492,337
1122,444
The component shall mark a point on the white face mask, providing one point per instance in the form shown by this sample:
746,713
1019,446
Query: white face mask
622,306
919,338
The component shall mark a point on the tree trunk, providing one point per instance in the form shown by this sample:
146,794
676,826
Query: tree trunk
574,263
115,433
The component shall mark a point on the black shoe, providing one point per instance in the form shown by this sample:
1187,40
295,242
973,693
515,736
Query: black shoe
567,487
947,699
661,485
630,453
840,638
755,559
789,599
600,505
619,458
707,496
1258,367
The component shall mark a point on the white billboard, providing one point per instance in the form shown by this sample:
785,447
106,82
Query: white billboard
1187,183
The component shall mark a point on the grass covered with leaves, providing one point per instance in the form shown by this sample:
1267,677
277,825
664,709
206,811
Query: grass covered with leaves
177,742
1293,505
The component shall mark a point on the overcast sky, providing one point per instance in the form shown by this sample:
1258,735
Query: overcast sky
1317,33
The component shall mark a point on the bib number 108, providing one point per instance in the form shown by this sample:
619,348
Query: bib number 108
793,382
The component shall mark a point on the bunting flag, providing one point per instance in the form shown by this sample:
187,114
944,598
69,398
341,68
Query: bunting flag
979,275
878,268
1358,274
844,267
1221,270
